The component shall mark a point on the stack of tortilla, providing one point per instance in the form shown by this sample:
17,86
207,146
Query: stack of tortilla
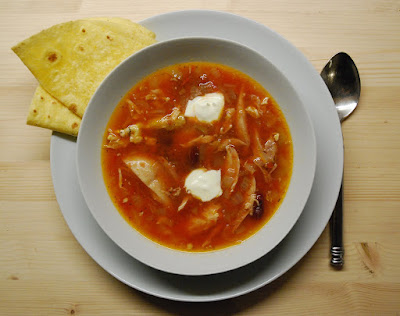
70,60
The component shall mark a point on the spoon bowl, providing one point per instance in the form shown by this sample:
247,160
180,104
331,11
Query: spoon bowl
343,81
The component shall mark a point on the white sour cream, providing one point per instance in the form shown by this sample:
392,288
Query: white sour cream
206,108
204,185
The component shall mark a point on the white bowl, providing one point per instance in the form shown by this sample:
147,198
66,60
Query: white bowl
120,81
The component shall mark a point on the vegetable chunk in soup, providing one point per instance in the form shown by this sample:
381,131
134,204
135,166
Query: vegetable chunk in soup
197,156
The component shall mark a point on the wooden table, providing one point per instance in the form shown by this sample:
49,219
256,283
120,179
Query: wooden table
44,270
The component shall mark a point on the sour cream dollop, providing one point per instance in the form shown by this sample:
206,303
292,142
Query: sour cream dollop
206,108
203,184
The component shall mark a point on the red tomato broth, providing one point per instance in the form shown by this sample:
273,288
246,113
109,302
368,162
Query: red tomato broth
178,84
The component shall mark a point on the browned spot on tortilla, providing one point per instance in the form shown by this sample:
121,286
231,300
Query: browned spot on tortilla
53,102
41,98
13,277
83,30
73,107
81,48
34,111
52,57
74,125
48,116
109,38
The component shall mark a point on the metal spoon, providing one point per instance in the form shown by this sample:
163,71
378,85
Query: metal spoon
341,76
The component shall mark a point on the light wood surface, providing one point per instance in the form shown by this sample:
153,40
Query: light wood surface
44,270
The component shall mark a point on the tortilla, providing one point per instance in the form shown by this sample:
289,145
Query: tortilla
46,111
124,27
71,59
114,19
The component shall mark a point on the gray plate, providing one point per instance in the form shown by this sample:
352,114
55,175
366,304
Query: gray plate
305,233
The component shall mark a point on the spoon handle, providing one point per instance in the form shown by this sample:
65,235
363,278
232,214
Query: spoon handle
336,228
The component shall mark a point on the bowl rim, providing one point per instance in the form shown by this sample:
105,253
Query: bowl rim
205,258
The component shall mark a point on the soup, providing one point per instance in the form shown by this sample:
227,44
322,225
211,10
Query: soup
197,156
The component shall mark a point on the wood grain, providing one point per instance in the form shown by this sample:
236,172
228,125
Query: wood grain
44,270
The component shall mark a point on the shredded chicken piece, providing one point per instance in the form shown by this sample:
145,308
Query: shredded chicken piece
264,156
183,203
249,167
257,104
230,174
270,149
134,133
266,153
227,123
248,189
240,120
202,139
112,136
221,144
170,121
115,142
252,111
258,162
